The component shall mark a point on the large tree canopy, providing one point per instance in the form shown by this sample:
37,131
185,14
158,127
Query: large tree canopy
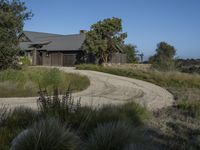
13,13
104,38
164,57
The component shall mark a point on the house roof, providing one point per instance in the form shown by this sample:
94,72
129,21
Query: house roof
52,42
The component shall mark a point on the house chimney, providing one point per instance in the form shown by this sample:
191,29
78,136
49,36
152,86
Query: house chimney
83,31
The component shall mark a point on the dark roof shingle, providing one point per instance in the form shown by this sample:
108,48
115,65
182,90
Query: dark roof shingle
56,42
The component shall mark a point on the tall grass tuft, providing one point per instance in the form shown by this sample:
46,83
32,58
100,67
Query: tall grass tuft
111,136
190,108
12,122
59,106
27,81
129,112
87,119
47,134
21,117
4,114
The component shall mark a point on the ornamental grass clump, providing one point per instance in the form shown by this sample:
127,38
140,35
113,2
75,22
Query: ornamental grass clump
48,134
111,136
58,106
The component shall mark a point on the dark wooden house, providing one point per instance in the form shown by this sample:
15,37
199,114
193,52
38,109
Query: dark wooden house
52,49
57,50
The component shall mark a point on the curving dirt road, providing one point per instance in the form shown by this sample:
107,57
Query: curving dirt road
109,89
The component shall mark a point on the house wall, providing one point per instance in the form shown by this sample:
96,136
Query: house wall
69,58
119,58
46,58
56,59
34,60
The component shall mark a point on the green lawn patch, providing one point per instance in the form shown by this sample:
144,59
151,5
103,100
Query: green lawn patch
28,81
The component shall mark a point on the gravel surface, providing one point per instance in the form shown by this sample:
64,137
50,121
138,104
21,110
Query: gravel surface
109,89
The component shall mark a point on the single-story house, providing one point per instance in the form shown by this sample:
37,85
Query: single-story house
55,49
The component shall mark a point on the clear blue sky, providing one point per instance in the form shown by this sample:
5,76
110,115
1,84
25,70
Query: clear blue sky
147,22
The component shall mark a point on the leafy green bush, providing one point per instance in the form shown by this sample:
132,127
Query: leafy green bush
12,122
86,119
4,114
25,61
111,136
47,134
6,136
21,117
129,112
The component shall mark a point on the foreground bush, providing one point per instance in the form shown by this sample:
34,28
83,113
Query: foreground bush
21,117
46,135
130,112
13,122
83,120
111,136
86,119
57,106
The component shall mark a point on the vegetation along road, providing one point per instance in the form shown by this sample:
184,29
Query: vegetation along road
109,89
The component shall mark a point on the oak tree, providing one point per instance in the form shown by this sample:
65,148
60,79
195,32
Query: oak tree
105,38
164,57
13,13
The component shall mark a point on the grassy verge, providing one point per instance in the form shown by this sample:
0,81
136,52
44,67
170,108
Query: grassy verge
175,79
28,81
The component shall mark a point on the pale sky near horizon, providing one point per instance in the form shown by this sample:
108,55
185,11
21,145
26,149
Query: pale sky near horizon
147,22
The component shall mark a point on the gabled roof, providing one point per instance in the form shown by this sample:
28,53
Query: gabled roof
53,42
34,36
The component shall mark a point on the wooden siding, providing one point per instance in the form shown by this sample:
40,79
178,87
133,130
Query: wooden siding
56,59
69,59
46,59
119,58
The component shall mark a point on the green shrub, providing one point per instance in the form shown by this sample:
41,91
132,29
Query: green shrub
47,134
4,114
20,117
6,136
111,136
129,112
13,122
25,61
86,119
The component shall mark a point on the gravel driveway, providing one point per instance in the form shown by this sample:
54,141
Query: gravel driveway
109,89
